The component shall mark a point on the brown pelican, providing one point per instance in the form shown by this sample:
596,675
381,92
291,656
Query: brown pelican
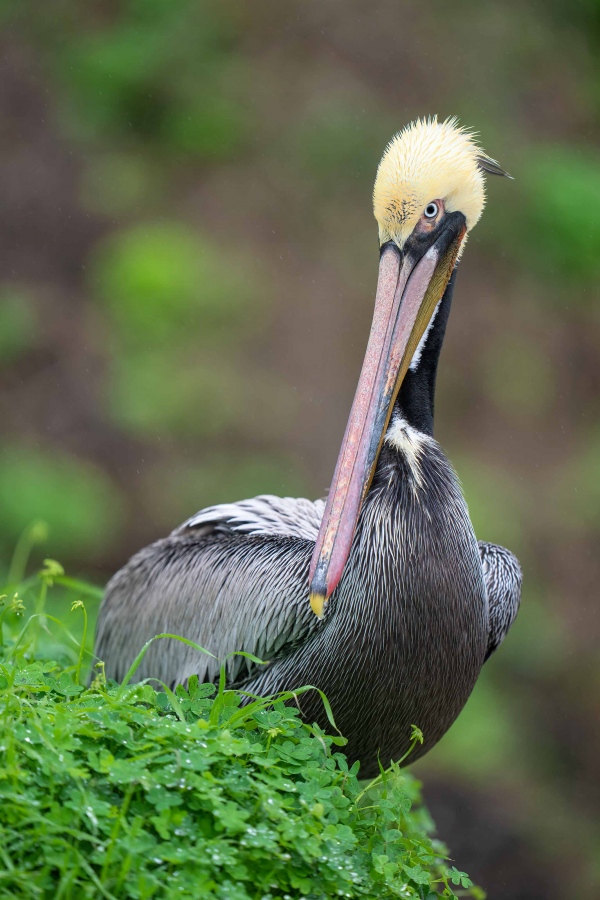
400,606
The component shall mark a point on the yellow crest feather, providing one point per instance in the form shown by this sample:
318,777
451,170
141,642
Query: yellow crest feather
428,160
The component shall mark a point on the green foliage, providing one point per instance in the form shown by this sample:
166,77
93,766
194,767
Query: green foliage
153,72
549,220
75,498
128,791
173,299
161,280
202,400
563,202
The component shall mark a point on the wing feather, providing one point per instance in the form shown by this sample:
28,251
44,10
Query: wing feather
502,576
266,514
226,591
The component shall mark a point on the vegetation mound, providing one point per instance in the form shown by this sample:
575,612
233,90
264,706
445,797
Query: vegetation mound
127,791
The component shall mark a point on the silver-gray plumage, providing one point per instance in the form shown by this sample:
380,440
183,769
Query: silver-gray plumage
419,608
503,578
267,514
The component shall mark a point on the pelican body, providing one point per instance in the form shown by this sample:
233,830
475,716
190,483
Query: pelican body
382,597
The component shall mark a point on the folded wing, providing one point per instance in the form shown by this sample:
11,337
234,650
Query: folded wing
502,576
233,577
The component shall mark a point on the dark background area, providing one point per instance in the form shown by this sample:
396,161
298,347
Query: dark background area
188,262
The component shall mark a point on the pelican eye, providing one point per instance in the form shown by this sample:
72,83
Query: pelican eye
431,210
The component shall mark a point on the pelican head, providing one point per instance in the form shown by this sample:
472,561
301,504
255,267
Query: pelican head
429,192
426,162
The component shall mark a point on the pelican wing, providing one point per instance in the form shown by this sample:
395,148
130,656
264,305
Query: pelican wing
290,516
232,578
503,577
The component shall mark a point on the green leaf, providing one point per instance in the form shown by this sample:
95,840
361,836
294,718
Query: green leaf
121,790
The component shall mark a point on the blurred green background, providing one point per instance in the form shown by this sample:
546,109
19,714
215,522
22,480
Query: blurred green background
187,271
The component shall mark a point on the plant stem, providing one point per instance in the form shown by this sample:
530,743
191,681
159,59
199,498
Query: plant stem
82,647
36,533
